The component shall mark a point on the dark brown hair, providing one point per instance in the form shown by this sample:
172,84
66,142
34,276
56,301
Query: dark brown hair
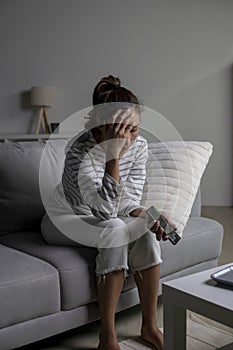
109,93
109,89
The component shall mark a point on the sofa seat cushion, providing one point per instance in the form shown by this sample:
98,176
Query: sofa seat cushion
29,287
201,241
76,266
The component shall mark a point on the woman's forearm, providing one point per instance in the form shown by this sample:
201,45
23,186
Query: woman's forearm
112,168
138,212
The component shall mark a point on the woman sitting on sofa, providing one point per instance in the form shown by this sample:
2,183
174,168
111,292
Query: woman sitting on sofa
103,180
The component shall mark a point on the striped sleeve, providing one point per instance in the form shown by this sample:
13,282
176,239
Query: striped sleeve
133,186
102,197
81,184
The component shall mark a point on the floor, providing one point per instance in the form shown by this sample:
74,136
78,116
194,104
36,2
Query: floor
128,322
224,215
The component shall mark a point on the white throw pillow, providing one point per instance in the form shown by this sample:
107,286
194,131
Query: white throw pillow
174,171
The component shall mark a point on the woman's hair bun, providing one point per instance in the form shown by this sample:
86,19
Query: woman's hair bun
112,81
109,89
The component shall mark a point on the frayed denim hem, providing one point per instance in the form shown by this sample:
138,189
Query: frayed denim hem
101,276
144,267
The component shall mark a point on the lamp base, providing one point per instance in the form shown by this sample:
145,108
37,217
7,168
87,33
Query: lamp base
43,115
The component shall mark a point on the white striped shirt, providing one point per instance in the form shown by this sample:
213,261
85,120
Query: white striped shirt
90,190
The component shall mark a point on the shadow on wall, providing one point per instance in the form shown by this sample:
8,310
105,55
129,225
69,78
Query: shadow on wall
25,104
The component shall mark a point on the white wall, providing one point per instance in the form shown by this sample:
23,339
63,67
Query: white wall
175,54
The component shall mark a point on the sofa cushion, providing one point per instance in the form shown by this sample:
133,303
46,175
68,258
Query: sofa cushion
20,203
196,208
21,207
29,287
174,170
21,172
76,266
201,241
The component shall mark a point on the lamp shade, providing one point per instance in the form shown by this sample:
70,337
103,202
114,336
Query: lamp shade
42,95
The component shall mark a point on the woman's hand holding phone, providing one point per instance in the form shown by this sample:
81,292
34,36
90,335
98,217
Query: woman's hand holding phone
155,227
165,230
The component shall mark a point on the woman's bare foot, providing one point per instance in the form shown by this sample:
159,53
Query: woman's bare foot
153,336
108,342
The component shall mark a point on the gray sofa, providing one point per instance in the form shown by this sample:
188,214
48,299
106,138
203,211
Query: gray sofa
44,289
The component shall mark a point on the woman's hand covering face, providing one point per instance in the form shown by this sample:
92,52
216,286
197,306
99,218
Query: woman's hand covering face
117,136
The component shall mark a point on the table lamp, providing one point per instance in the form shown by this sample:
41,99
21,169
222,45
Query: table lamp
42,96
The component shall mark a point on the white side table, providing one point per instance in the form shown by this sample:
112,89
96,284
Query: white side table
198,293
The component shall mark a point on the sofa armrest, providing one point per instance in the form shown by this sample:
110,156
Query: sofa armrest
196,208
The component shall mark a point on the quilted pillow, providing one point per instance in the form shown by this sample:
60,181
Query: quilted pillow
174,171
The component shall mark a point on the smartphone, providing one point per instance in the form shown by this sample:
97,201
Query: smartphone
168,229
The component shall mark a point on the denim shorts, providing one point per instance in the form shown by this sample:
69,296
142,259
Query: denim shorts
123,243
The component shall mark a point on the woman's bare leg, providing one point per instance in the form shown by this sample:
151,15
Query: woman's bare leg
148,282
108,291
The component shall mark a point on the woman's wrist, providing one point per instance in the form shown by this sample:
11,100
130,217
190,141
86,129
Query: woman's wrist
141,212
112,156
112,168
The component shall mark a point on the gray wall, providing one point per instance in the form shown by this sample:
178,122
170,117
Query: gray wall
175,54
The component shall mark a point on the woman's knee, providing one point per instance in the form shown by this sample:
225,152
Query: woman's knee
114,233
111,259
145,252
112,223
